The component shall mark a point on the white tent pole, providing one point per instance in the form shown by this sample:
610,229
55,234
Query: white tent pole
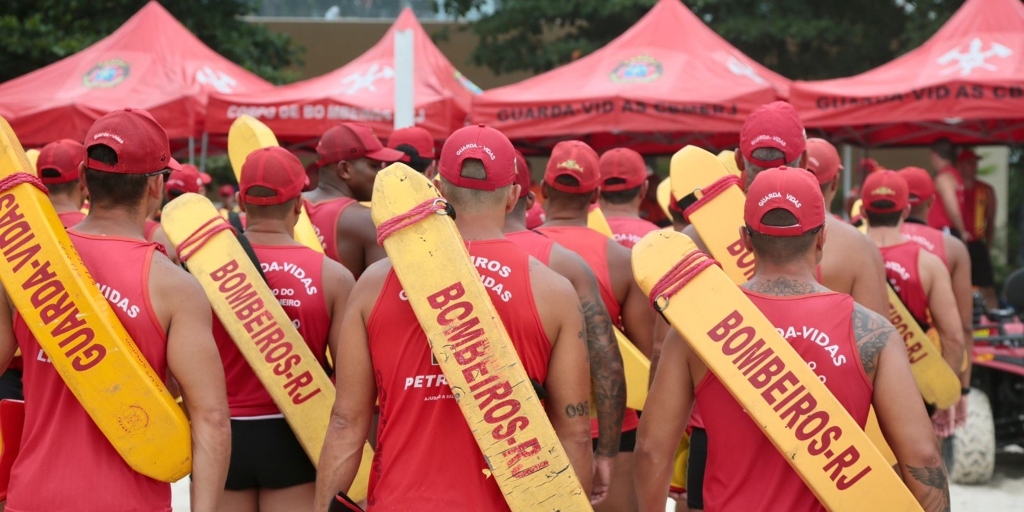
191,150
847,176
202,151
404,68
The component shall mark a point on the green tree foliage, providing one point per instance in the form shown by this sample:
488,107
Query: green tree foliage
34,33
806,39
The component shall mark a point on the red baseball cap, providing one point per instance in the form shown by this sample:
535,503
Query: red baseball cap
414,137
624,164
793,190
138,140
920,186
967,155
349,141
823,160
183,180
775,125
63,156
274,168
227,190
482,143
577,159
523,177
885,186
204,177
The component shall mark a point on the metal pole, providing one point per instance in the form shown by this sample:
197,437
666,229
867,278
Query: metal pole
404,114
202,154
847,176
191,150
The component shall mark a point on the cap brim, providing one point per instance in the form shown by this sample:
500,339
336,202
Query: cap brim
174,165
386,155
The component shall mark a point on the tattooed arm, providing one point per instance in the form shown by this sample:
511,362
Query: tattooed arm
568,378
900,410
607,376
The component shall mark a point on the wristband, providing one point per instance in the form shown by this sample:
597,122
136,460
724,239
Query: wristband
965,391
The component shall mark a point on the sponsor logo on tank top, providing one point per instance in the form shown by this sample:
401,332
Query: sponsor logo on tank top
492,273
920,240
898,269
119,301
819,338
294,270
629,238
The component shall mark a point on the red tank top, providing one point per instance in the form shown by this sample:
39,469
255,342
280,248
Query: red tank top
65,461
421,426
593,248
534,243
629,230
70,219
929,238
324,217
901,269
938,218
744,470
294,273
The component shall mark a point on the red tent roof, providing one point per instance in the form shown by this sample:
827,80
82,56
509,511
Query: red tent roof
151,62
362,90
965,83
667,81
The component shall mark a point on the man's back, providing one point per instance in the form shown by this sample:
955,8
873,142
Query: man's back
294,274
904,274
929,238
865,281
744,470
629,230
324,216
421,425
72,451
593,248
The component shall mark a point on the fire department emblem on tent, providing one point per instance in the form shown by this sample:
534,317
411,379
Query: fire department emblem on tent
976,57
640,69
106,74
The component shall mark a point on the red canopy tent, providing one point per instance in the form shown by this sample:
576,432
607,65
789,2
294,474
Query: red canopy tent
965,83
362,90
151,62
667,81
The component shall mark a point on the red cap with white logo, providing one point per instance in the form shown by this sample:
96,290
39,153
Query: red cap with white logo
793,190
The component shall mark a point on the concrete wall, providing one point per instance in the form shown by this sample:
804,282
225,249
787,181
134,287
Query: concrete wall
331,44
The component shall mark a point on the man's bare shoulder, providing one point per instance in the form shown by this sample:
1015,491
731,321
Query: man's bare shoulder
691,232
548,284
871,332
567,263
843,233
355,218
337,273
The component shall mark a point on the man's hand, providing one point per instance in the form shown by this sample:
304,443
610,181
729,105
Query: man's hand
942,422
602,478
960,420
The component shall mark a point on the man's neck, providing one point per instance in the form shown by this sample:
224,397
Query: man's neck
270,231
65,204
784,281
917,216
630,209
886,236
555,216
515,221
479,229
330,188
114,222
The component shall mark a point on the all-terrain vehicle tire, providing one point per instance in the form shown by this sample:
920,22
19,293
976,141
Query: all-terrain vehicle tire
970,455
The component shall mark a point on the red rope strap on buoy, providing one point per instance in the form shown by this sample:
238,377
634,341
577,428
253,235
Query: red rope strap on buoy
22,177
712,191
678,277
404,220
192,243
